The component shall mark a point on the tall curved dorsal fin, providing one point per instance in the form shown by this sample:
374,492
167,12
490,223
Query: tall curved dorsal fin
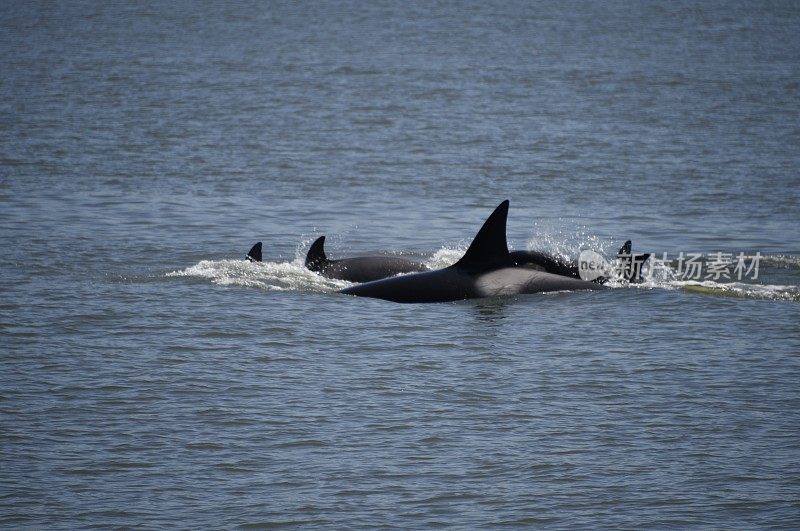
489,248
316,257
254,255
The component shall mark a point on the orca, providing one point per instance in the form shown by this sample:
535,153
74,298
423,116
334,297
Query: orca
360,268
628,267
487,269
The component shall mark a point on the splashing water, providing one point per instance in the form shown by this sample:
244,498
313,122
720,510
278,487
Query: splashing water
445,257
270,276
293,276
551,237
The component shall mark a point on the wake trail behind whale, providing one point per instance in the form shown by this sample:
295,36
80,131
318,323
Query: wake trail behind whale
269,276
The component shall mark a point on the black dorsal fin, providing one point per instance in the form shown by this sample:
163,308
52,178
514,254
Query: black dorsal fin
254,255
316,258
631,264
489,248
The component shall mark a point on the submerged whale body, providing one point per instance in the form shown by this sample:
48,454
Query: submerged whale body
629,265
360,268
486,270
357,269
545,262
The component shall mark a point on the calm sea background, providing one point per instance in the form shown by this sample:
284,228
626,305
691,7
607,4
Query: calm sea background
150,378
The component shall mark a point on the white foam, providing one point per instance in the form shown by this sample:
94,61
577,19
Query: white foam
552,238
665,277
272,276
445,257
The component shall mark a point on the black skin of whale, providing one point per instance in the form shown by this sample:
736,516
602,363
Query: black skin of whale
371,268
531,259
357,269
629,268
254,254
545,262
394,266
360,268
487,269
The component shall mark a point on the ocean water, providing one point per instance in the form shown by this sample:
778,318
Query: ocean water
149,377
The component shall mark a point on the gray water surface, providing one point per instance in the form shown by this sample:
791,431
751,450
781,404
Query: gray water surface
149,377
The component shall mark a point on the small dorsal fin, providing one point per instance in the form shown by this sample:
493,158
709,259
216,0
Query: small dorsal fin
316,257
254,255
631,264
489,248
